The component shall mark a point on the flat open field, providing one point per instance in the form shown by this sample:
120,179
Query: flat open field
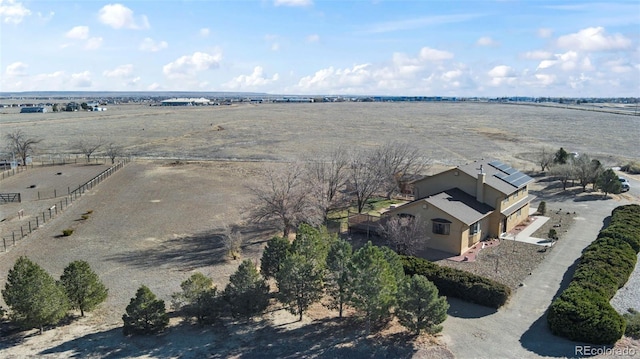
449,133
154,222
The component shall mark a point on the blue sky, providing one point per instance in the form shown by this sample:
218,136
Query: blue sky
365,47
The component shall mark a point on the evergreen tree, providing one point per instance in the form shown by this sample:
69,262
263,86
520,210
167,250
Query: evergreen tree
419,306
273,255
247,293
561,157
300,283
198,299
338,281
608,182
374,286
83,286
395,263
145,314
34,297
312,243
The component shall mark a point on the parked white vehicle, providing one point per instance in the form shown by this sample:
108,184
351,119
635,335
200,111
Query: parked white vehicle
625,184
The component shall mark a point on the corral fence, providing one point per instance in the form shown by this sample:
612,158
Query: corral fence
9,197
58,207
364,223
44,161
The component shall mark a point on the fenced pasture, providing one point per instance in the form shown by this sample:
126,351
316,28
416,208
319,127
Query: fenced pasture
449,133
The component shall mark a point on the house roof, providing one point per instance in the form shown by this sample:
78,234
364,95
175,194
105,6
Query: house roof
460,205
500,176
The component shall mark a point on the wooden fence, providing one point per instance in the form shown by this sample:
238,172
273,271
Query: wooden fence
9,197
50,213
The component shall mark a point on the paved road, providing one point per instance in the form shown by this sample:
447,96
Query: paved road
519,329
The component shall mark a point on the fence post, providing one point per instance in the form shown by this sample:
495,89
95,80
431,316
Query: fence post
29,226
4,241
55,193
44,220
38,194
21,233
37,224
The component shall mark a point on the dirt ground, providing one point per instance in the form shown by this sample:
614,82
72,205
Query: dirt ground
158,220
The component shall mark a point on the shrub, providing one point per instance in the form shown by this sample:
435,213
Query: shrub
553,234
89,211
631,167
459,284
542,208
247,292
633,323
85,216
67,232
581,314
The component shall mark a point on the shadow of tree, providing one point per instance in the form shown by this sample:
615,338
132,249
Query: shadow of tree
461,309
328,338
203,249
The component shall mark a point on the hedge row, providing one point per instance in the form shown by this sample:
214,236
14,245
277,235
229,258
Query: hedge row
459,284
582,312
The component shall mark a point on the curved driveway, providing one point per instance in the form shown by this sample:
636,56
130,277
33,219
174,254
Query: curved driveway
519,329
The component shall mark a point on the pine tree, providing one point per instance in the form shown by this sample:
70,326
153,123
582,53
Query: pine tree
300,283
274,253
34,297
419,306
374,286
338,280
247,293
83,286
198,299
145,314
608,182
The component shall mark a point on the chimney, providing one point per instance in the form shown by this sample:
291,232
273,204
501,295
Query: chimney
480,186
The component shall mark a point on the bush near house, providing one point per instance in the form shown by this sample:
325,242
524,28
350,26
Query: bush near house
459,284
582,312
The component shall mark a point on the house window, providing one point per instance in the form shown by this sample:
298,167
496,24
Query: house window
441,226
519,212
474,228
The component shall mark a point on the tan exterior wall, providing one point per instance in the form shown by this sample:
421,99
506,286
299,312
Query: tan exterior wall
518,216
513,198
444,181
458,240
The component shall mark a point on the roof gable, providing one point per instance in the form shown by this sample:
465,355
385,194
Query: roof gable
460,205
500,176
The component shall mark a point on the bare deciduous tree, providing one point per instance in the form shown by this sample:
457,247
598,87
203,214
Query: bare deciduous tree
587,170
395,161
326,178
364,178
112,151
21,145
232,240
404,233
283,197
88,146
564,172
545,158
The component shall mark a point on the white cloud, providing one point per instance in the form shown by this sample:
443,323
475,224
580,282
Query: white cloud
119,16
340,80
46,17
81,79
272,41
502,75
121,71
17,69
593,39
486,41
78,32
93,43
148,44
189,65
204,32
429,54
250,82
537,55
12,11
313,38
545,33
292,2
545,79
154,86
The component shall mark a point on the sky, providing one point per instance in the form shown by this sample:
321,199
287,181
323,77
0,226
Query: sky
314,47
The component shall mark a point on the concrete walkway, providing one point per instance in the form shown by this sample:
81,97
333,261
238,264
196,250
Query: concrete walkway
524,235
519,329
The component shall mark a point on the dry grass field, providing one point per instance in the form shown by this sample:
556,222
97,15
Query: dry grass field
156,221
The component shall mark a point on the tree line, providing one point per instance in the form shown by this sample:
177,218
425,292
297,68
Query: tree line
316,267
21,145
581,168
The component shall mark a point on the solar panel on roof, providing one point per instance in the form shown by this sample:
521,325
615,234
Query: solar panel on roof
503,167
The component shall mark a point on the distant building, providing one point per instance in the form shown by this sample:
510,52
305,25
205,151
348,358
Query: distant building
186,102
34,109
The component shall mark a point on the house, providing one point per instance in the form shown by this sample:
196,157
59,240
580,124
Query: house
33,109
464,205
